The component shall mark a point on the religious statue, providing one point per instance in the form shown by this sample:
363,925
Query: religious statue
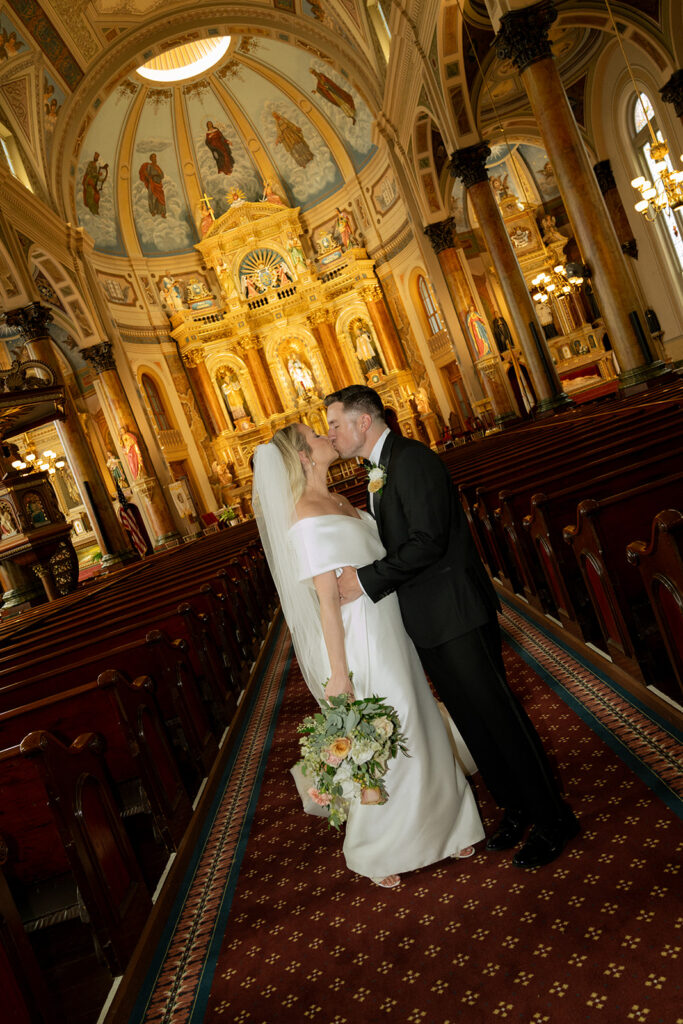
479,333
151,176
236,196
302,378
206,218
130,445
291,136
221,470
283,275
546,320
115,467
171,292
334,94
550,231
219,147
8,526
422,402
342,230
249,286
365,349
234,398
93,179
270,195
296,253
499,184
501,332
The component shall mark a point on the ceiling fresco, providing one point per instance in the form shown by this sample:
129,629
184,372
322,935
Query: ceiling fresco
177,142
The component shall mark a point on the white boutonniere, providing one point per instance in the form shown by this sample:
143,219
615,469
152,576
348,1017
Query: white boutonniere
376,479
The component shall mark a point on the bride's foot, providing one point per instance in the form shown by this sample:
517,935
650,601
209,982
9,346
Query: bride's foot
390,882
467,851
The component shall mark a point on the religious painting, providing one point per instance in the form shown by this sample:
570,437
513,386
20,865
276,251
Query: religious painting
160,207
291,137
53,99
284,5
11,40
263,269
385,193
536,160
67,489
314,9
8,523
457,207
223,160
95,192
35,509
430,192
172,293
523,234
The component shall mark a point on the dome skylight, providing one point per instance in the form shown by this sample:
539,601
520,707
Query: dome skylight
185,61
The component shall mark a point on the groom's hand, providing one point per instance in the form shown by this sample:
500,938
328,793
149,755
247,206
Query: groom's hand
348,585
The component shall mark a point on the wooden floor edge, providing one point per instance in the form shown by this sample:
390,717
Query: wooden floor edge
129,986
595,661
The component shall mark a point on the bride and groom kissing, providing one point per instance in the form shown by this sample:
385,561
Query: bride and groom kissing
385,596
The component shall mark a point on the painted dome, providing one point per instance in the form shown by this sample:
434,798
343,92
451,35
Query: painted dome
265,110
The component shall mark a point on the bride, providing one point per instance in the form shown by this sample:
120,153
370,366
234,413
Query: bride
309,532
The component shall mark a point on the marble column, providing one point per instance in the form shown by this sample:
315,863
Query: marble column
617,212
489,369
262,380
385,329
328,342
672,92
523,39
205,393
144,485
33,322
469,164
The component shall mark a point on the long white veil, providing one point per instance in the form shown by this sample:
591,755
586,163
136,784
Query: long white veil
274,510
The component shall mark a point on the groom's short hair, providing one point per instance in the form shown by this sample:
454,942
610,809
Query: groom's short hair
358,398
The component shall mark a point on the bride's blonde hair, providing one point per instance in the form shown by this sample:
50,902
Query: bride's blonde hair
290,442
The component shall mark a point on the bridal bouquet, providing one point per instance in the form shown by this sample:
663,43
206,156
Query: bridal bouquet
345,750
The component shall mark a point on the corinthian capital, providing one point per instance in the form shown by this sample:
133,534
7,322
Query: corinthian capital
193,358
523,35
32,320
469,164
672,92
441,235
101,356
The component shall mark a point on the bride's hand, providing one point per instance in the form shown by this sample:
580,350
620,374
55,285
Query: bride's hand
337,685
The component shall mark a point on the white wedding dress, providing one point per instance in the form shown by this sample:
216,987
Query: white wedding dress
431,812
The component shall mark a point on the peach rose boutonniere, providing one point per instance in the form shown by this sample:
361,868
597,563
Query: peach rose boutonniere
376,479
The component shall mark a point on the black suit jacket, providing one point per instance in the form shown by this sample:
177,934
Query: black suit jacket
431,561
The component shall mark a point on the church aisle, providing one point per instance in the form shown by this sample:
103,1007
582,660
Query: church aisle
272,927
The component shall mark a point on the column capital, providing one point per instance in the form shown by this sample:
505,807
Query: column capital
32,320
372,293
193,358
523,35
252,341
101,356
440,235
672,91
469,163
605,176
320,316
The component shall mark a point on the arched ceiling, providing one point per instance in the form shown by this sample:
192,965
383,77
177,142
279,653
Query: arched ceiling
268,110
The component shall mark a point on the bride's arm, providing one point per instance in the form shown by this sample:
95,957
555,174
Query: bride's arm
333,633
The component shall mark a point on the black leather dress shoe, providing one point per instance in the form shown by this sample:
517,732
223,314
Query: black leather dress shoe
546,842
512,827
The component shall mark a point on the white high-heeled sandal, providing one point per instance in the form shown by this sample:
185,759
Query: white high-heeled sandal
467,851
383,884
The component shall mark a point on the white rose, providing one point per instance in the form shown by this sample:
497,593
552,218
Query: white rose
384,726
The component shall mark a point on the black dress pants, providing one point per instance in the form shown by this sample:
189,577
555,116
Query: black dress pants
469,675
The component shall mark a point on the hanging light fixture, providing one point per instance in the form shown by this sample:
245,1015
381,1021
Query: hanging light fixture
562,279
48,462
665,192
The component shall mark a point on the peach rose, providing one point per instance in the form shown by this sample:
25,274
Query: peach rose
319,798
371,795
340,747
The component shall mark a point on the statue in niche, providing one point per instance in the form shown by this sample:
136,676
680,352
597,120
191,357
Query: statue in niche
130,445
301,376
283,275
479,332
115,467
236,403
171,292
501,332
366,352
296,253
8,526
342,230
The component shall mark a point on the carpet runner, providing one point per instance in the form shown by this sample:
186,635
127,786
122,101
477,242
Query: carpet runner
271,927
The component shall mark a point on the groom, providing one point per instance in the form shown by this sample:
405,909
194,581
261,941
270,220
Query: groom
449,610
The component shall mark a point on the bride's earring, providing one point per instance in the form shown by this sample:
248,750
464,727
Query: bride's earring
312,462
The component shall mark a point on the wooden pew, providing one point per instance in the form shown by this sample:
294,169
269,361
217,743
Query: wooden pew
68,849
599,540
137,750
660,563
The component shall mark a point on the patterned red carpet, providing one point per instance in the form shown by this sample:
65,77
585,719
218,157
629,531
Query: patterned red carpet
274,929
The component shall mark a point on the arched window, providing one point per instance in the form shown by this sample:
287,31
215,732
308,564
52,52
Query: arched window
430,307
155,403
10,155
643,124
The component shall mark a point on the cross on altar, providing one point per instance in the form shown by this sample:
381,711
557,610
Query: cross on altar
207,202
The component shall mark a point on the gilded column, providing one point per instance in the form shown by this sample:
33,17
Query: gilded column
205,393
469,164
672,92
33,322
261,377
385,329
488,368
328,342
145,485
523,39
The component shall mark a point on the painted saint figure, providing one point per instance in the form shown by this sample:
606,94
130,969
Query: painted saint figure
219,148
269,194
151,176
334,94
94,178
342,230
291,136
479,332
129,443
